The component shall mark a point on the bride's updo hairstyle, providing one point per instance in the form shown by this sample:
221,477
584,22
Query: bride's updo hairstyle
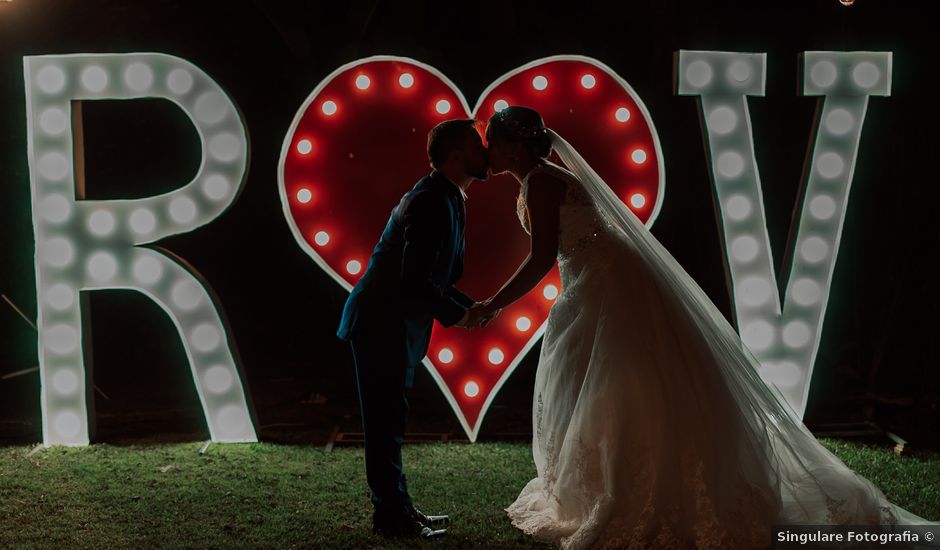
522,125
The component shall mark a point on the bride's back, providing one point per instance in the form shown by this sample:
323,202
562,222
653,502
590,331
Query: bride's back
580,226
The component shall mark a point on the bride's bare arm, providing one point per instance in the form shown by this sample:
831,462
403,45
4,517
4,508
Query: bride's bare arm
544,197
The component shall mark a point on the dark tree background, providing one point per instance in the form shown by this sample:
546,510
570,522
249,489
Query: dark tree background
878,359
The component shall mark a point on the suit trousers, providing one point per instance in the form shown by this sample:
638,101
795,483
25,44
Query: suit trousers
383,377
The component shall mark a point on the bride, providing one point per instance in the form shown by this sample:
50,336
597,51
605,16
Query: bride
651,425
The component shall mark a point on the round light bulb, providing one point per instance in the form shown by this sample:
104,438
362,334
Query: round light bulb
67,424
179,81
53,121
186,295
304,195
739,71
866,74
205,337
796,334
102,266
138,77
822,207
637,200
211,107
839,122
806,292
830,165
304,147
55,208
814,249
753,291
216,187
101,222
550,292
218,378
738,207
823,74
147,270
94,79
722,120
698,73
745,248
232,419
182,210
758,335
51,79
638,156
142,221
730,164
65,381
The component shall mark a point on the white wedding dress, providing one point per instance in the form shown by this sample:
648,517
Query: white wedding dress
651,426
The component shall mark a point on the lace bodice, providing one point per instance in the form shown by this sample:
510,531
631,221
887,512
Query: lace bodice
580,225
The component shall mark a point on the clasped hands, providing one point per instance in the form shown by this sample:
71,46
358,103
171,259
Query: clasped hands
478,315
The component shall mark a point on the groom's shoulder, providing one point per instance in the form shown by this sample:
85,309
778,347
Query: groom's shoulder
424,196
428,181
428,188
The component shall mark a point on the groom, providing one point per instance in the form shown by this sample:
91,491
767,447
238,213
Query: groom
388,316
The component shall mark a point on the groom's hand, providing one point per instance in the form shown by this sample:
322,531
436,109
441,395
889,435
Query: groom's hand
478,315
467,319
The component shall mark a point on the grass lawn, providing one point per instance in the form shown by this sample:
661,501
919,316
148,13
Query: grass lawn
155,494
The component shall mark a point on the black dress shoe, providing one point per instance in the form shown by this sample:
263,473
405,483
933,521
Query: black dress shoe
406,528
434,522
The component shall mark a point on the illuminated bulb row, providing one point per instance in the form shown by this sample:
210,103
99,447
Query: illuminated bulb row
63,339
405,80
56,208
785,374
864,74
363,82
540,82
762,335
700,73
137,76
523,324
211,107
622,114
756,291
329,108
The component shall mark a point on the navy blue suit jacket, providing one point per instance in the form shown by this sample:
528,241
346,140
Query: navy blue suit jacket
410,278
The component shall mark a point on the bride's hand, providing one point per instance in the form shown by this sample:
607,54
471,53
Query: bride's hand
487,312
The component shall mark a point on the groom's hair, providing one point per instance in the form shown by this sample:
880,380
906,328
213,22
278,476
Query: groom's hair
447,137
